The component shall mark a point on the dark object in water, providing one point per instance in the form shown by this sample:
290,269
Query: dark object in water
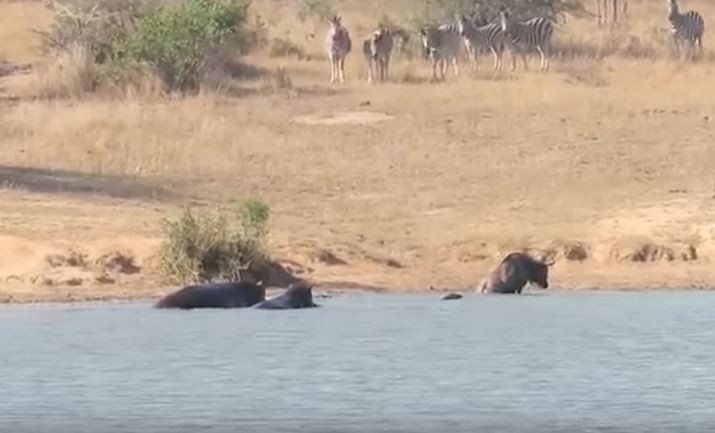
451,296
297,295
215,295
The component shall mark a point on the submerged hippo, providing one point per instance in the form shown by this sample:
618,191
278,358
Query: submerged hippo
216,295
451,296
513,273
297,295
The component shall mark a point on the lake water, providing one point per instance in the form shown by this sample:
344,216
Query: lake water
552,362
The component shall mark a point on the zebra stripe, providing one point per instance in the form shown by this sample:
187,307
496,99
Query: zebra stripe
488,36
525,36
442,44
688,27
338,46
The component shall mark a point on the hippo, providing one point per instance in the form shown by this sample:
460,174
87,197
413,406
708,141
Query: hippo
451,296
297,295
215,295
513,273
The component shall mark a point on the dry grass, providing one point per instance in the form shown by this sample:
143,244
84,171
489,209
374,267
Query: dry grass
73,74
595,150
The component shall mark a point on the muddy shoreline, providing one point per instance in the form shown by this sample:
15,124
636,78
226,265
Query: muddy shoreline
73,296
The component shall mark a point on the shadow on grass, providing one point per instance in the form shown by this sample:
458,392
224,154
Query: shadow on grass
72,182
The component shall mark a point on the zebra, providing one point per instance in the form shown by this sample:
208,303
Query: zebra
478,37
688,27
338,46
377,50
441,44
523,36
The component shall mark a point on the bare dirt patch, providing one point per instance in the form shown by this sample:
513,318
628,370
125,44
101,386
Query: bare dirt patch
342,118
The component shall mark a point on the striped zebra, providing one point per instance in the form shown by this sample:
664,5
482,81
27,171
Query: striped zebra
476,38
378,50
441,44
688,27
525,36
338,46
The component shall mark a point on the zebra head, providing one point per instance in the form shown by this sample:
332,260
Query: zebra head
672,7
463,23
504,18
335,21
378,36
427,50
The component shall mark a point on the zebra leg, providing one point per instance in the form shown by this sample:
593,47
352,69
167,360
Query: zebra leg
331,62
341,71
543,65
455,63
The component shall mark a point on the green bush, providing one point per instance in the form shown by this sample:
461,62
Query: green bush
203,246
178,39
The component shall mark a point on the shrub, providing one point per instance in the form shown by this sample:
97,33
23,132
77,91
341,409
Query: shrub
178,39
91,25
71,74
203,247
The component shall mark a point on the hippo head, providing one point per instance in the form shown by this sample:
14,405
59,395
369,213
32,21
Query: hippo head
301,294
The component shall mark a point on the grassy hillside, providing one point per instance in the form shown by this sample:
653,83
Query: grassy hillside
410,183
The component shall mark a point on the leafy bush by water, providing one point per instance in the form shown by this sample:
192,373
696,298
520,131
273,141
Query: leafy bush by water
204,246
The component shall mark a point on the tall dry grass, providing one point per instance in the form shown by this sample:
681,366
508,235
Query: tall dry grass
72,74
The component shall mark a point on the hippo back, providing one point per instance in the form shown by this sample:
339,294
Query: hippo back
215,295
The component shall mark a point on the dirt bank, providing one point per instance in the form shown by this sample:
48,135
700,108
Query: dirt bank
125,268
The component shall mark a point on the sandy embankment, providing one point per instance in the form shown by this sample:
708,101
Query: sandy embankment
125,269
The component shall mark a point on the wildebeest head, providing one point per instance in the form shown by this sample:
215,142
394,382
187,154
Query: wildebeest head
536,271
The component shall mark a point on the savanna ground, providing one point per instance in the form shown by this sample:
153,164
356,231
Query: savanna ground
604,163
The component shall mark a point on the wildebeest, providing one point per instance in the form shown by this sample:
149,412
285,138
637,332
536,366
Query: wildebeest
297,295
513,273
215,295
377,50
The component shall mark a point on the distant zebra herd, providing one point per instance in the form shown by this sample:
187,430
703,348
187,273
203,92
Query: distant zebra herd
442,44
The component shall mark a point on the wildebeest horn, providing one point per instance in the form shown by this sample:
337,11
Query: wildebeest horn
550,263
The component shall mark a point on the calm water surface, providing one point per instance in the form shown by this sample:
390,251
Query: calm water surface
552,362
